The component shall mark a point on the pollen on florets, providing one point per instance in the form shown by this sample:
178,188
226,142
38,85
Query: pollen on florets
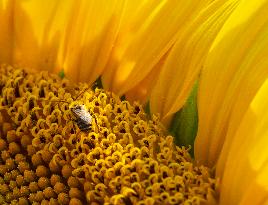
125,158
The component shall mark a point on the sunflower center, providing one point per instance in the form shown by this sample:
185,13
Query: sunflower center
91,149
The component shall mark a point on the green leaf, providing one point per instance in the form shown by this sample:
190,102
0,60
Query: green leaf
147,108
185,122
123,97
61,74
97,84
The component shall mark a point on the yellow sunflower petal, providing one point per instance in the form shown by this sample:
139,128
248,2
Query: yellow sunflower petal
6,34
135,13
186,58
39,28
76,36
90,37
149,38
143,89
235,69
245,179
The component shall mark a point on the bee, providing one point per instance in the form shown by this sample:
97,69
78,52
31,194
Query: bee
83,118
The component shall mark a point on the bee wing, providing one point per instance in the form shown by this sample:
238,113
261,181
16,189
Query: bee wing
83,115
87,117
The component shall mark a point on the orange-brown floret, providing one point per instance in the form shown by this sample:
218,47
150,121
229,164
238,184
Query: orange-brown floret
123,158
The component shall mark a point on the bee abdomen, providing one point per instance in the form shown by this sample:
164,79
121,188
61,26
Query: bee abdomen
83,125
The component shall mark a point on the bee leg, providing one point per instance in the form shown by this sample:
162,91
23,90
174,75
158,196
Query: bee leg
96,122
76,121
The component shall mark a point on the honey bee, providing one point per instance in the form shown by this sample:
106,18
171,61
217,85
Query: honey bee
82,116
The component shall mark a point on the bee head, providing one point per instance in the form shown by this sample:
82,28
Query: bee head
76,107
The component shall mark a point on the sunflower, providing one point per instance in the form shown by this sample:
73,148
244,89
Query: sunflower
82,136
232,114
